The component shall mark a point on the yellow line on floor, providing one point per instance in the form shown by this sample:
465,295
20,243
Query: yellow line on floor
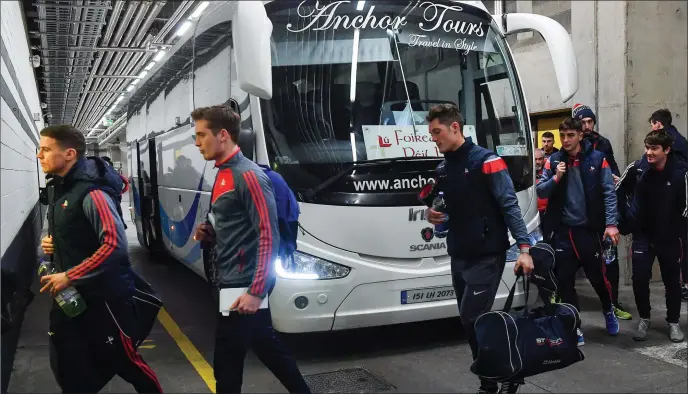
192,354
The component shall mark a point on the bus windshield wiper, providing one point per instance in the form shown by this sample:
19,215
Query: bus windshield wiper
363,163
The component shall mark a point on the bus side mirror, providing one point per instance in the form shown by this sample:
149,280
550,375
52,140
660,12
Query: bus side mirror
252,30
559,44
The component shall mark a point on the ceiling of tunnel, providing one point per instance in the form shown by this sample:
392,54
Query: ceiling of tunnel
90,51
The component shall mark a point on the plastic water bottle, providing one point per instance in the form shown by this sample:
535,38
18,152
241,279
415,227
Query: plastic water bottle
439,205
69,299
608,252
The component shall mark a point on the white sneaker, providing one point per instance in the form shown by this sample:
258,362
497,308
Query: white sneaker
675,333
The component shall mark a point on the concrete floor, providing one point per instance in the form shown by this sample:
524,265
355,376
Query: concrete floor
418,357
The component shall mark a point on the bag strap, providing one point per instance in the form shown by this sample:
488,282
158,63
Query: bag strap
512,292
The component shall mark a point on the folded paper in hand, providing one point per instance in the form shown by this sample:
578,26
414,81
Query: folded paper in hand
229,296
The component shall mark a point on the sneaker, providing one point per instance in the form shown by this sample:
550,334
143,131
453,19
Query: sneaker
509,388
488,389
554,299
684,292
612,323
675,333
641,332
621,314
581,341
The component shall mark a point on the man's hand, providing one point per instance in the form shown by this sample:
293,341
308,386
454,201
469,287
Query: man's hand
561,170
613,234
246,304
616,179
47,245
55,283
525,262
435,217
204,232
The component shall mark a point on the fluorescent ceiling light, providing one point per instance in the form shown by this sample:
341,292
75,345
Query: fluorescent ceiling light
143,74
183,28
159,55
130,88
119,99
149,66
197,12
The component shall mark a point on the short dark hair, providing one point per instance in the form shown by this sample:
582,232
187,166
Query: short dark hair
68,137
659,137
446,114
571,124
548,134
661,115
219,117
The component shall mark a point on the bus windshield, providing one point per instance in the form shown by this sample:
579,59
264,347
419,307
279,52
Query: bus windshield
353,83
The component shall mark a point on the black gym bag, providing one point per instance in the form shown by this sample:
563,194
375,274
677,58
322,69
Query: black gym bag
543,267
514,347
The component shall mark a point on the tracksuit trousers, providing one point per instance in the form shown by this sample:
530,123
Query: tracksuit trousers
88,350
577,247
238,333
476,283
671,258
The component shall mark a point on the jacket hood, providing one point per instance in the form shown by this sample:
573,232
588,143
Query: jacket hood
96,170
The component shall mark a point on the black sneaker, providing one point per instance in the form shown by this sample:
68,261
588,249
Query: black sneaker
509,388
487,387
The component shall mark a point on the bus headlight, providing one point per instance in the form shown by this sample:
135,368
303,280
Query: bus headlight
305,266
514,251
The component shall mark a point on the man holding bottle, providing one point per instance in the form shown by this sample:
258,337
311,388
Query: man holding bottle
92,342
481,205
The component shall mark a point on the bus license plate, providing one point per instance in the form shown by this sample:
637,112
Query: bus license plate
427,295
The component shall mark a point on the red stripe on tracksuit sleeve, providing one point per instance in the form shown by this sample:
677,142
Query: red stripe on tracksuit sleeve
492,166
109,243
604,163
265,233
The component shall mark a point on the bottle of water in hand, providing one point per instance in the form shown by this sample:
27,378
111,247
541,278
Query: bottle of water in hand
69,299
608,251
439,205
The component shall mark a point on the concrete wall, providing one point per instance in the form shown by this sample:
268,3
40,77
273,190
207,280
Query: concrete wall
656,67
19,133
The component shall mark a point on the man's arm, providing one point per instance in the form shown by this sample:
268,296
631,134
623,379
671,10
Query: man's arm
609,191
547,182
102,214
611,160
259,201
502,188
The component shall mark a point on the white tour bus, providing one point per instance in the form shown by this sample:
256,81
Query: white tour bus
333,95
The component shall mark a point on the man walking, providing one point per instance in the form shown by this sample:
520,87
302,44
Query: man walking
588,120
245,233
89,246
481,206
661,119
656,216
578,183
